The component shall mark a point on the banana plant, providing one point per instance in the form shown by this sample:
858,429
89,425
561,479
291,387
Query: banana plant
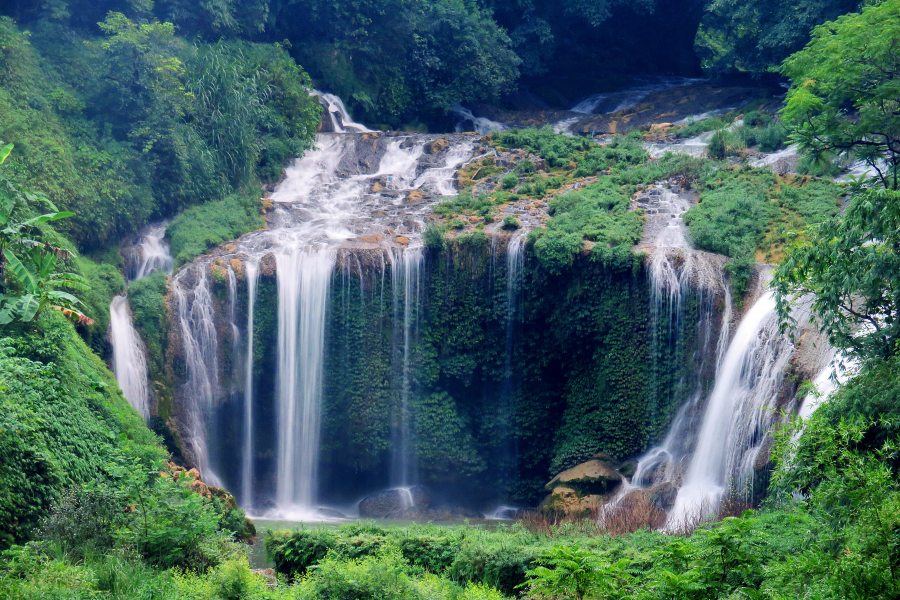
12,230
42,287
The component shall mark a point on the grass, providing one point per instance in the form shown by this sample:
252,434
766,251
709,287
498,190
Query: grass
203,227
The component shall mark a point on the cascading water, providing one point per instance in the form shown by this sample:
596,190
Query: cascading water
195,314
251,275
352,189
304,275
405,267
739,413
129,362
338,115
482,125
150,254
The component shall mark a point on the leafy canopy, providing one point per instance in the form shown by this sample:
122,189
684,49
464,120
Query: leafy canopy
851,263
845,89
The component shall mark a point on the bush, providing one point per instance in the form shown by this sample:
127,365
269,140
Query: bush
510,181
510,222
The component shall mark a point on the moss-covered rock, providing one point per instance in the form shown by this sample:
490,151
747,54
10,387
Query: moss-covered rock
594,477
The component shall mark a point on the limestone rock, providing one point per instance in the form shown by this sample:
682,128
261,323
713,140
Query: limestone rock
594,477
436,146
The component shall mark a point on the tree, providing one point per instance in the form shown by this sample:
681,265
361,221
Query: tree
850,264
845,90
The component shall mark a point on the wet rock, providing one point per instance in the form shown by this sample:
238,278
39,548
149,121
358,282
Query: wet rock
627,469
437,146
662,496
594,477
382,505
467,513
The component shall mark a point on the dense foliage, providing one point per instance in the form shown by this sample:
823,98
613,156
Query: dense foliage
130,123
844,96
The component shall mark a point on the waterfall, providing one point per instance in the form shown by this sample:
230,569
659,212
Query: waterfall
351,191
405,267
195,316
231,310
149,254
153,254
304,276
482,125
739,413
337,113
251,275
129,362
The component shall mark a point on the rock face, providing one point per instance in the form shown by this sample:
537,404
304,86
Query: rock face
594,477
394,502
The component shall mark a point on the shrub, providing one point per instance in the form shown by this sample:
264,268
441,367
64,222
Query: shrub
510,222
510,181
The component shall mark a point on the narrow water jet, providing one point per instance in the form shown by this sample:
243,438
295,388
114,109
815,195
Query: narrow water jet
129,362
251,276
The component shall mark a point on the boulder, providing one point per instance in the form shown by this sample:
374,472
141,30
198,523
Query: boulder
567,501
436,146
388,503
594,477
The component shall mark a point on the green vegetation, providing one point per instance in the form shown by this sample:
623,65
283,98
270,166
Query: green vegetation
132,122
190,123
753,214
598,214
204,227
843,96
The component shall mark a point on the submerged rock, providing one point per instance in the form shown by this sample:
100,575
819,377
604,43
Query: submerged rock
384,504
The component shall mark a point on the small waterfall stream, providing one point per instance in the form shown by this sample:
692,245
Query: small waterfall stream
129,362
148,255
251,274
406,266
195,314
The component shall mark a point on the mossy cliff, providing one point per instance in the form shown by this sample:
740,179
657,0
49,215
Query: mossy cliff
498,400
